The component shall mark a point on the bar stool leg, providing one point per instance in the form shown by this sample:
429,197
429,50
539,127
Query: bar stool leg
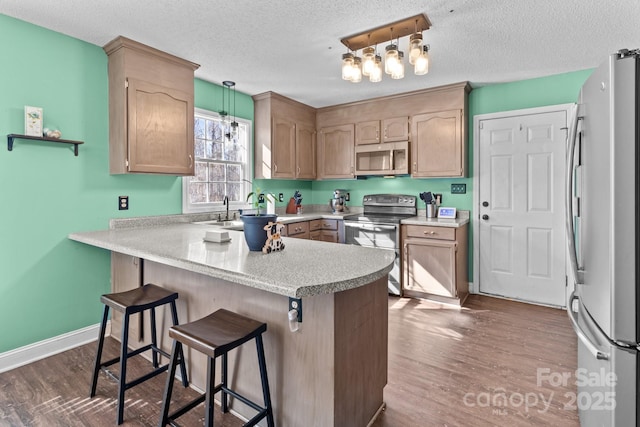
265,381
123,366
168,389
225,395
211,383
96,366
154,338
183,367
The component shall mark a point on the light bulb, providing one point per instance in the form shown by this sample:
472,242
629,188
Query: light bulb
376,72
390,57
397,72
422,62
415,47
356,70
368,60
347,66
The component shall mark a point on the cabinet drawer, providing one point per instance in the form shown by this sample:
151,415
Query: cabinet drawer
298,228
323,224
324,235
425,231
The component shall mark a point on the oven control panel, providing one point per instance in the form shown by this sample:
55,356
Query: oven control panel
395,200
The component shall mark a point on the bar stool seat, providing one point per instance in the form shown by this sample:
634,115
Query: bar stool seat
147,297
215,335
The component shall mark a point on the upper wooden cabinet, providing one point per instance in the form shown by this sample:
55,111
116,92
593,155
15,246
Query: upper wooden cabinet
434,120
285,138
438,145
150,110
386,130
335,152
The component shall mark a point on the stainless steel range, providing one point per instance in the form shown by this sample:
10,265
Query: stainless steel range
378,226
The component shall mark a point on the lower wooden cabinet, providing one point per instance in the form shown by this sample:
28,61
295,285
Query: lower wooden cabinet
435,262
324,229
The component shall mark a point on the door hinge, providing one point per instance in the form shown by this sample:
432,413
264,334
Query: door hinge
482,125
126,84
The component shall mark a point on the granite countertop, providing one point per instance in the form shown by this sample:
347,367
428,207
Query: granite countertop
421,219
305,268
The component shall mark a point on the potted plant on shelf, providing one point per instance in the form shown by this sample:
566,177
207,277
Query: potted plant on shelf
254,224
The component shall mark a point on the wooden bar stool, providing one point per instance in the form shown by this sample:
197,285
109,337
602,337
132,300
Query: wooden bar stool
147,297
215,335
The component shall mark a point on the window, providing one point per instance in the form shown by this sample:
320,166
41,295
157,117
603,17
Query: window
222,164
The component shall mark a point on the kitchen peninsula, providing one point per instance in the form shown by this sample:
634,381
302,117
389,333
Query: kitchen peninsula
331,371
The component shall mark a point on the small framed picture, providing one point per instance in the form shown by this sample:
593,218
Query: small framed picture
447,213
32,121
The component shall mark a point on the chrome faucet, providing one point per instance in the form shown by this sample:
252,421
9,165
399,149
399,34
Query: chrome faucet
225,201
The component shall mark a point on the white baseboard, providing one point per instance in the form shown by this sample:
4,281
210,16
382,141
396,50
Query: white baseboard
30,353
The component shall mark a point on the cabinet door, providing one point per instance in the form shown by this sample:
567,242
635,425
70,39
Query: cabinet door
336,152
368,132
160,129
430,267
305,152
395,129
436,144
283,140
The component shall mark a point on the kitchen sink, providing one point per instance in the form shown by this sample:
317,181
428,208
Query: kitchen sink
230,225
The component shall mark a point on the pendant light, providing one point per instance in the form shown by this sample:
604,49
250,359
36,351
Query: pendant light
390,56
232,130
397,72
422,62
415,45
356,70
376,71
368,60
347,66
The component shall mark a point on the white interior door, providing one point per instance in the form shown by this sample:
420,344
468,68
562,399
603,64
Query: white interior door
521,206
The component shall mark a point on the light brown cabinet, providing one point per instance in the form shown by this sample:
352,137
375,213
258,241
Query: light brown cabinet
438,144
336,152
150,110
434,263
285,138
386,130
325,230
299,230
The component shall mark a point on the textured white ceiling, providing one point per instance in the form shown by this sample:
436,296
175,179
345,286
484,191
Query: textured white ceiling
293,47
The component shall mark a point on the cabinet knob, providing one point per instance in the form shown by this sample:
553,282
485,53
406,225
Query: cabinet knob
430,232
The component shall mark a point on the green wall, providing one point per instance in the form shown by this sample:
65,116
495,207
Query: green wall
51,285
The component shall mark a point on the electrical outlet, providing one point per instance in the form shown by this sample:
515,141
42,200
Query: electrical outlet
458,188
260,198
123,203
347,197
280,197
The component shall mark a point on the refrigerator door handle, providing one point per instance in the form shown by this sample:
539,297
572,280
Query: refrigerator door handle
580,333
578,273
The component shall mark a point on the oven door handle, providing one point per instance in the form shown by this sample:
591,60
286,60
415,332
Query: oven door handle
368,226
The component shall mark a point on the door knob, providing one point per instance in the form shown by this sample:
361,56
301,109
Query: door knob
485,204
485,217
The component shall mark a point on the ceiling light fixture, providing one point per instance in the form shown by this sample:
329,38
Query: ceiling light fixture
370,65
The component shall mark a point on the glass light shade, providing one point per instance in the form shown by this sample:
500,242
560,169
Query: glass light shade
376,72
368,60
356,70
415,47
397,72
347,66
390,57
422,62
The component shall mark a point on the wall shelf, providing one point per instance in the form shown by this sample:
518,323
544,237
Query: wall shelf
12,136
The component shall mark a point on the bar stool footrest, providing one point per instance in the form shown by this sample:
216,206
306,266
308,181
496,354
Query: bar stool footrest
238,396
186,408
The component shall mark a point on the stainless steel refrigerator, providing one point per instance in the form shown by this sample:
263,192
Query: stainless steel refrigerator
602,227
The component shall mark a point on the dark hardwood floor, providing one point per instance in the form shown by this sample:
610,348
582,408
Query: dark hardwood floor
487,364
